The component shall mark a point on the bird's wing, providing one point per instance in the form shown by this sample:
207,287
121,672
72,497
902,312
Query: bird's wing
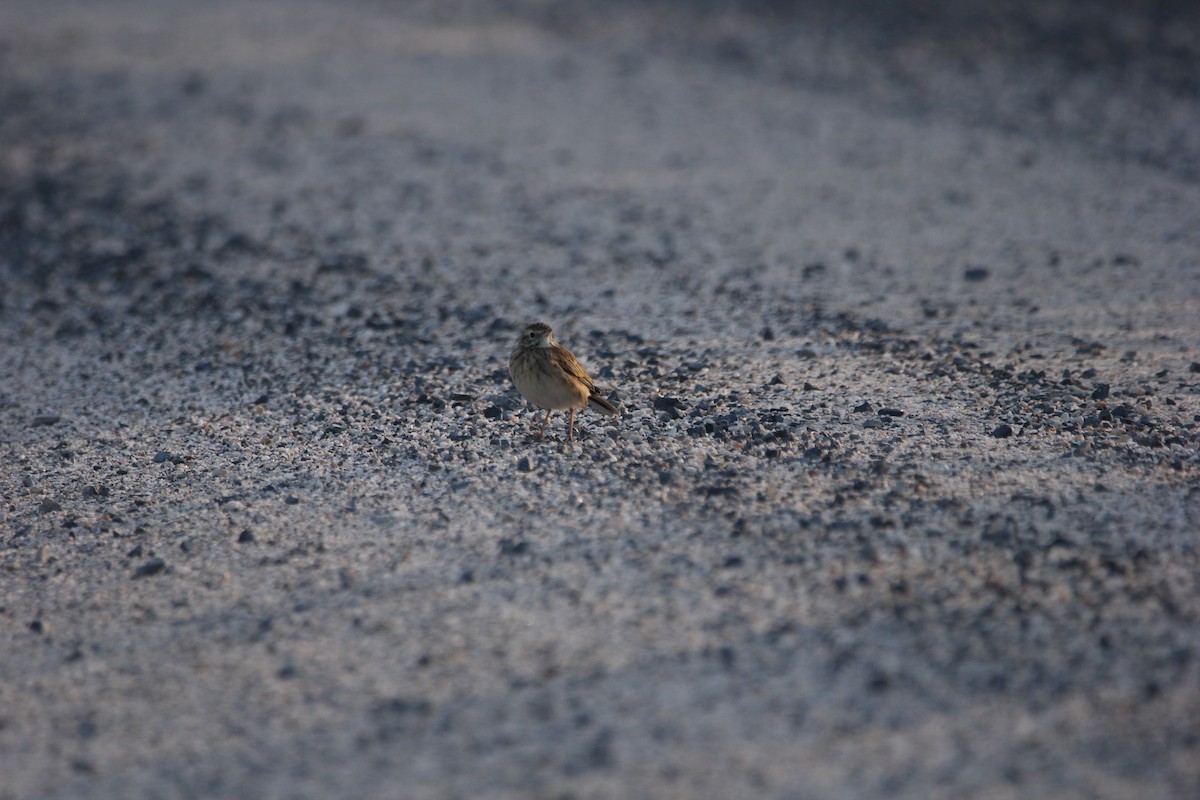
562,358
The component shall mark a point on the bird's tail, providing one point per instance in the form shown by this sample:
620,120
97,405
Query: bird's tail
603,404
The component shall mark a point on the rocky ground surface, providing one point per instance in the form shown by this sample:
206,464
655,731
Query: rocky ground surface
903,308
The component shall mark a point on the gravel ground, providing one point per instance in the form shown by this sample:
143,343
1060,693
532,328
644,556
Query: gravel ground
903,308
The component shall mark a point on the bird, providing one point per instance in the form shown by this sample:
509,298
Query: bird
549,376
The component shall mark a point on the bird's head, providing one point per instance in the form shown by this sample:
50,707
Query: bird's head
538,334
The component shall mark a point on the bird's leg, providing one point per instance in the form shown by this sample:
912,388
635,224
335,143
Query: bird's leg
546,419
571,425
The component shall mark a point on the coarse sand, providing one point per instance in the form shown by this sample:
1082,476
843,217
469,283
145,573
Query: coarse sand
901,304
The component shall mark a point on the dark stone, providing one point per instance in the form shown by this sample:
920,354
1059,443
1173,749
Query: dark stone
975,274
865,408
600,752
1003,431
45,419
151,567
48,505
161,456
1101,392
493,412
398,706
733,561
669,405
245,537
890,412
524,464
728,656
291,500
393,717
508,547
1123,411
716,491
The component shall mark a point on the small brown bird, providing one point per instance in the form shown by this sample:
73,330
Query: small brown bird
548,376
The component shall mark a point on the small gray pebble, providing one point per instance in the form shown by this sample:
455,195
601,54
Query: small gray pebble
525,464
